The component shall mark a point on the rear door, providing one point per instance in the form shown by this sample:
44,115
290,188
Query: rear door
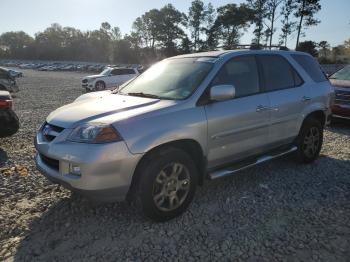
239,127
288,95
128,74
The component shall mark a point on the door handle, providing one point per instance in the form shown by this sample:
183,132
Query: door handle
306,98
261,108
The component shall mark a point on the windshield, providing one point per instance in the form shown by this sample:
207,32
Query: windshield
106,71
342,74
170,79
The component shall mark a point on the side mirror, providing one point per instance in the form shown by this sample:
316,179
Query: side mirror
222,92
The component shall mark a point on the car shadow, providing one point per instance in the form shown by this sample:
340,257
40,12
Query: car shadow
73,227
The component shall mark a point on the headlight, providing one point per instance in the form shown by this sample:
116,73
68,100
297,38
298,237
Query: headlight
94,134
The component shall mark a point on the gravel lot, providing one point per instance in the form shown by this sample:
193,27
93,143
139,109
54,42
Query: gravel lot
280,211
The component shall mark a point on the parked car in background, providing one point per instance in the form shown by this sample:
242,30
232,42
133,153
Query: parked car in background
190,117
7,82
9,122
341,82
15,73
109,78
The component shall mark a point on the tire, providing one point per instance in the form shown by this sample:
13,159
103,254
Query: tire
10,123
168,177
2,88
100,85
309,141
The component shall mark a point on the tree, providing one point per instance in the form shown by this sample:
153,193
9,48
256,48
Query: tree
288,26
198,16
148,28
271,7
308,47
170,29
16,43
230,20
260,9
305,11
324,48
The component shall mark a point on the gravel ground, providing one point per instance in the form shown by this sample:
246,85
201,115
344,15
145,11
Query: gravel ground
280,211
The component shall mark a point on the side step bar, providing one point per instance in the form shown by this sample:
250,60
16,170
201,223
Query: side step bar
233,170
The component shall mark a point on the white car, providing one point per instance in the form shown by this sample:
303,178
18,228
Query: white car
109,78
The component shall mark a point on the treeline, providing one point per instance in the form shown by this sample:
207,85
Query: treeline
165,32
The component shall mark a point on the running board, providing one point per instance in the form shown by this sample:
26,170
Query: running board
233,170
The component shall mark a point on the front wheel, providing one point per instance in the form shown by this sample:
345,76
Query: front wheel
167,183
100,85
309,141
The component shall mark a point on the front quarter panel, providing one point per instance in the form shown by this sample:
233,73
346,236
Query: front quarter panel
141,135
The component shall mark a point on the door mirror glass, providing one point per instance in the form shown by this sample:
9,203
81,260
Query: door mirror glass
222,92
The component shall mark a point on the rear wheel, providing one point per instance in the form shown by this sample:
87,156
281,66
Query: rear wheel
100,85
310,141
2,88
167,183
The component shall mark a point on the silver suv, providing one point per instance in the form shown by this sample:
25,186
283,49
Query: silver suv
187,118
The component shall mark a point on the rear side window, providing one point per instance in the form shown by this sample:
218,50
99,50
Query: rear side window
310,65
241,72
128,72
278,73
116,72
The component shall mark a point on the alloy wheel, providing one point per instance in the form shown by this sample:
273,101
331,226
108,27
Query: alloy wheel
311,142
171,187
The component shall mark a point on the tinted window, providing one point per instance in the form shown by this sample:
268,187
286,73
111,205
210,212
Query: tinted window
116,72
342,74
277,72
241,72
310,65
128,72
298,81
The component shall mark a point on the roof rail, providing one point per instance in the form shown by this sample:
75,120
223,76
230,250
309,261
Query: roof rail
260,47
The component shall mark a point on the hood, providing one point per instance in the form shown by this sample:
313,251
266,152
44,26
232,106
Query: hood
93,76
107,108
340,83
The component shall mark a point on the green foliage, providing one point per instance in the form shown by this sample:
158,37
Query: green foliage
308,47
230,20
305,12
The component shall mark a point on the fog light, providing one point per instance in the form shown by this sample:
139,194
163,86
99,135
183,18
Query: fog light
74,169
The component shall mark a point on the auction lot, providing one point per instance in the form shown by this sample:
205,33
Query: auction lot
280,211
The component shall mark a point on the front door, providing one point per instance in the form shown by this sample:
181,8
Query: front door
239,127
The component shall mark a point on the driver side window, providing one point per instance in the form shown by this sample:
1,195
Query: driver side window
242,72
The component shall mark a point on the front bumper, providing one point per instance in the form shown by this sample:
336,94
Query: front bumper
106,170
88,86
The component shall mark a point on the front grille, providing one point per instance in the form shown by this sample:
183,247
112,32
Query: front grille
53,163
342,97
50,131
84,81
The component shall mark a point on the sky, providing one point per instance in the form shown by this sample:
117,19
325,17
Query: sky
33,16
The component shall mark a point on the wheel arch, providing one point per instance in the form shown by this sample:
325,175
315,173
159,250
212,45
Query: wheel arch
190,146
318,115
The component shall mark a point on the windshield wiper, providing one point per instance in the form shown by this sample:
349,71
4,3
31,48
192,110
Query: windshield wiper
141,94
